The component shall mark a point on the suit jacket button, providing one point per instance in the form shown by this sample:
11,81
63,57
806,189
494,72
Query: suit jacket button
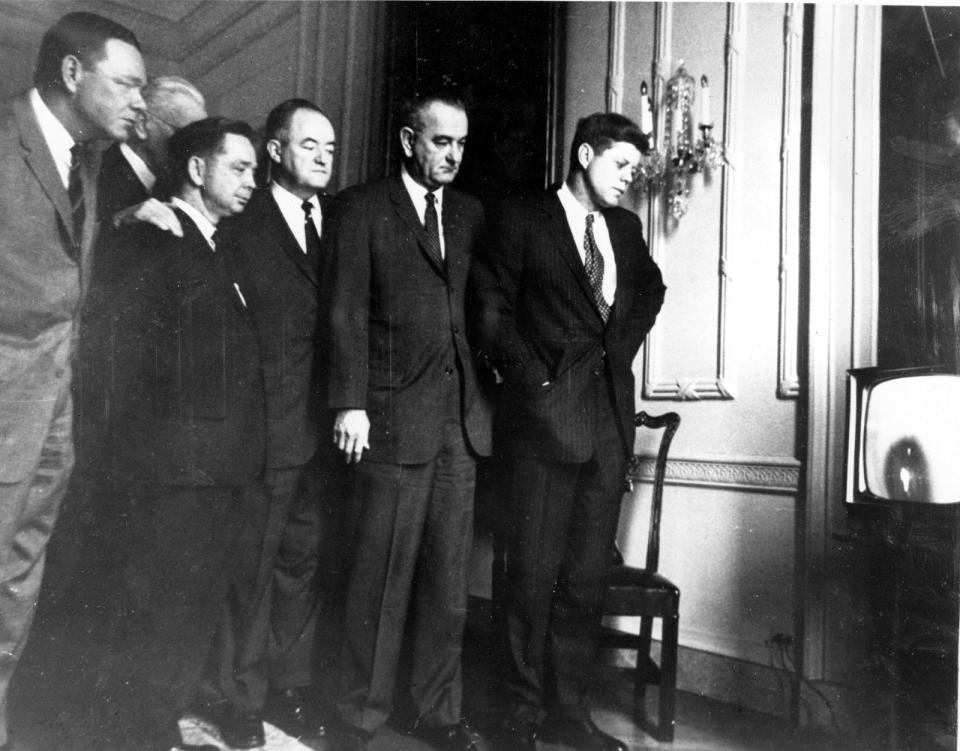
59,372
448,370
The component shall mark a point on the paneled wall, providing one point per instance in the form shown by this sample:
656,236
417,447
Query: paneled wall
245,56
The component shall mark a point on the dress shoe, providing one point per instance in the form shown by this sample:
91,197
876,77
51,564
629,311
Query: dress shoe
241,729
459,737
294,713
582,735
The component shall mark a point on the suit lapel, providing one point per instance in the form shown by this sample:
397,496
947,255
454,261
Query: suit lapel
557,220
455,246
404,209
40,160
279,229
621,242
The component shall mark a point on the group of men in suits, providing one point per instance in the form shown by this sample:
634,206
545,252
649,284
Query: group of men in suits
259,333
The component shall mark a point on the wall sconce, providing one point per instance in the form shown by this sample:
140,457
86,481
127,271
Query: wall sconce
679,156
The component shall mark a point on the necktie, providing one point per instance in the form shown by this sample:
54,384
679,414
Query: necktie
431,224
593,264
75,192
215,238
310,231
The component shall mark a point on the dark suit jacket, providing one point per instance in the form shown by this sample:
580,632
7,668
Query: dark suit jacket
117,185
43,273
538,325
283,292
397,319
191,409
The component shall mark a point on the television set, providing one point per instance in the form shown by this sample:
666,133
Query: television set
903,436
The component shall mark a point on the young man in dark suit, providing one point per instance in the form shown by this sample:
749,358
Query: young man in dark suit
191,423
270,621
567,294
410,420
87,86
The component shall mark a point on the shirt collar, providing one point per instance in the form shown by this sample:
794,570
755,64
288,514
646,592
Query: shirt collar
288,201
418,192
206,227
143,172
58,138
572,207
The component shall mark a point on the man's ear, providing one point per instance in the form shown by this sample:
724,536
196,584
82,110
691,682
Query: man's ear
71,71
273,150
407,137
585,155
196,169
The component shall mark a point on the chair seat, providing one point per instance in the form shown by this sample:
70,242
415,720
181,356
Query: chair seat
636,591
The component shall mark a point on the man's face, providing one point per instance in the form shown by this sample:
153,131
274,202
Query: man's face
433,154
608,173
107,92
228,177
304,161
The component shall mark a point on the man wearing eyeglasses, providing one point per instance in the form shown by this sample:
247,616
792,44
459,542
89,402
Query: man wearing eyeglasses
87,86
567,294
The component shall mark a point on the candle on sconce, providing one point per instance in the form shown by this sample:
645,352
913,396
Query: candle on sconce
646,114
705,118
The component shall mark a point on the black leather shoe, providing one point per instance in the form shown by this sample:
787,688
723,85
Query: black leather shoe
582,735
242,729
292,712
171,740
459,737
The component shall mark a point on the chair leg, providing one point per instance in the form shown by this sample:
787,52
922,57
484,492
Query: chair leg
668,679
642,676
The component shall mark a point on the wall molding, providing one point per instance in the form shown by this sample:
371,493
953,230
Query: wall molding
615,55
657,385
788,378
780,475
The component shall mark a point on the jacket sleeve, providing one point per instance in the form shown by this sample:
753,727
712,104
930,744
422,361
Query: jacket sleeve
348,283
495,283
647,292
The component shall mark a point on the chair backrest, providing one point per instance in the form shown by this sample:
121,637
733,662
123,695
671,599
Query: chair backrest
668,422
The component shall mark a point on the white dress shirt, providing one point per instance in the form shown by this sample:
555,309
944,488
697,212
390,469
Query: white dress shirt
292,209
141,170
576,214
59,141
418,194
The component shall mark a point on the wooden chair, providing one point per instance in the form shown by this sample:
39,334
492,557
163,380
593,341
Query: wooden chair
646,593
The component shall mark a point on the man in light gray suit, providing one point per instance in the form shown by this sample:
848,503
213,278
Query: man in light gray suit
86,87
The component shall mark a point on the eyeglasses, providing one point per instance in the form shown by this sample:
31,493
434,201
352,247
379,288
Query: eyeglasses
159,119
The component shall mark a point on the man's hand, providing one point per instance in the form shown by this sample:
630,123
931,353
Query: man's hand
152,212
351,433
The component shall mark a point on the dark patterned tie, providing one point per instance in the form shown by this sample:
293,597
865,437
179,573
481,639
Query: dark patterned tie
593,264
310,230
431,224
75,191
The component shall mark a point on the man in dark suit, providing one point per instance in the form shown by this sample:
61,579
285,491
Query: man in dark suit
87,86
567,294
191,422
128,177
268,630
411,420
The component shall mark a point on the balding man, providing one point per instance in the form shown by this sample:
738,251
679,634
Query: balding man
87,86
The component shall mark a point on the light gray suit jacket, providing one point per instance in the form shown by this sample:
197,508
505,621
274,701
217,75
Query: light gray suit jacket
44,270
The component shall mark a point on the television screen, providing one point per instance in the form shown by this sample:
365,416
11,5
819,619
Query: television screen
904,442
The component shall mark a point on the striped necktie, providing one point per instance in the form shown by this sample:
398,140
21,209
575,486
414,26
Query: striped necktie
431,224
75,192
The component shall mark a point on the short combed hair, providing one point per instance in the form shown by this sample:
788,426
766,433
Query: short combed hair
81,34
603,129
163,96
411,111
278,121
204,139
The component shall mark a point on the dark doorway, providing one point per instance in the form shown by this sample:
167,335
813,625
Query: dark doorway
502,59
